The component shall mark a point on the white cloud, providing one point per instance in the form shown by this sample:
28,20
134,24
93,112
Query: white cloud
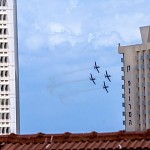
85,24
106,40
54,27
75,28
72,5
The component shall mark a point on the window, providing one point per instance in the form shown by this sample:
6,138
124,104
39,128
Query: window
2,102
6,59
1,2
128,68
5,31
6,88
2,87
7,115
1,45
5,45
3,116
7,102
130,114
0,30
4,17
130,122
7,130
4,3
3,130
1,59
1,73
6,73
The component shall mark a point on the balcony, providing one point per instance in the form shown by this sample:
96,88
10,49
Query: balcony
138,113
143,75
122,60
142,66
148,75
124,122
137,94
137,85
137,76
123,104
142,57
138,102
143,102
123,95
123,87
148,56
143,93
138,121
148,66
136,58
122,68
123,113
137,67
122,77
143,84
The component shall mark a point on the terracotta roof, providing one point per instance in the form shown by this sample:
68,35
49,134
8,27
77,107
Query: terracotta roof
69,141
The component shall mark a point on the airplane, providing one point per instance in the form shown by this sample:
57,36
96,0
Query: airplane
96,67
92,79
107,76
105,87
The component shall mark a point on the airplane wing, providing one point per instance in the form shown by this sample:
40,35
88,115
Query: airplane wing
104,84
106,73
106,90
109,79
91,75
97,70
94,82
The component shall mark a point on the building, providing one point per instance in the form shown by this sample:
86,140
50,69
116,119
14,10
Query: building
85,141
136,68
9,77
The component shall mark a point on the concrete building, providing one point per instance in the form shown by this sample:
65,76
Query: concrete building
9,77
136,68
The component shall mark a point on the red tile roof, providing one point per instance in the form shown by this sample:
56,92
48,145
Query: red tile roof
68,141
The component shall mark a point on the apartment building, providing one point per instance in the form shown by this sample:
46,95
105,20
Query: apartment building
9,74
136,68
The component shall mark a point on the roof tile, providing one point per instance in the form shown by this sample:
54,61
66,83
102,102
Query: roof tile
68,141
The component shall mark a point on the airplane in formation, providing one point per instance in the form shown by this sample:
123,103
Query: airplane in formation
105,87
92,79
107,76
96,67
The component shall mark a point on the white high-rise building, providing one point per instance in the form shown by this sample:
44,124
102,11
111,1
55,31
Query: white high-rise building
136,67
9,73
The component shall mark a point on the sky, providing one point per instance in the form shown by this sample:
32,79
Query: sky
59,41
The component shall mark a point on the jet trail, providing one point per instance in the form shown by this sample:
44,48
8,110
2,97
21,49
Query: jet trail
79,70
81,91
68,82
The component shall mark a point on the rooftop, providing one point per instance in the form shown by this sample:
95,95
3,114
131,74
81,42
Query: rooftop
69,141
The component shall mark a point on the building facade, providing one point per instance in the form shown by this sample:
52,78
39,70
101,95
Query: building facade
9,74
136,68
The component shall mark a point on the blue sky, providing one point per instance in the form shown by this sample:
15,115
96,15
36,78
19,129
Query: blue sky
59,41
